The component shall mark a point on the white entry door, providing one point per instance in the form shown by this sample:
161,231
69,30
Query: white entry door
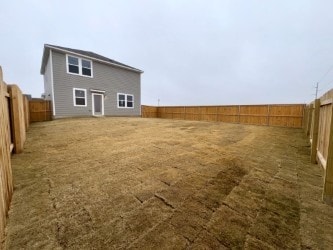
98,104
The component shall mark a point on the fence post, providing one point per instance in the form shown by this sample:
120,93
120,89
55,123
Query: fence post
26,112
315,131
268,114
304,107
309,121
305,118
17,118
217,116
239,113
44,111
328,181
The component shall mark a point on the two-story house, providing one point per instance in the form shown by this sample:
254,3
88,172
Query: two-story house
83,83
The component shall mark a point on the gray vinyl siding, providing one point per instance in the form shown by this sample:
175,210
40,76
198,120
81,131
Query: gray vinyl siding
48,81
110,79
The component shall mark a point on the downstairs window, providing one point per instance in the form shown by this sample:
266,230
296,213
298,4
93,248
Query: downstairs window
125,101
80,97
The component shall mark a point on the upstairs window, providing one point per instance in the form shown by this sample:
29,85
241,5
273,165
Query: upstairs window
86,67
73,65
79,66
125,101
80,97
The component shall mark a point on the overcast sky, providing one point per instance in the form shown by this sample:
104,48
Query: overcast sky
191,52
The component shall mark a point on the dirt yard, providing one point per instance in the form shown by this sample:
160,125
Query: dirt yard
104,183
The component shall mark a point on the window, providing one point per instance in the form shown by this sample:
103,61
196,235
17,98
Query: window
73,65
129,101
125,101
86,67
80,97
121,101
79,66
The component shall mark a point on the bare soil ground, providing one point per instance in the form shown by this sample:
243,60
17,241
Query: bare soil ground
162,184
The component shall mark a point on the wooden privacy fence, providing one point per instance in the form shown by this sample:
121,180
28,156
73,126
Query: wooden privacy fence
285,115
6,183
40,110
14,121
318,126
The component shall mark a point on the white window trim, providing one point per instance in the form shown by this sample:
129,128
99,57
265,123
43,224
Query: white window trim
85,97
125,101
80,66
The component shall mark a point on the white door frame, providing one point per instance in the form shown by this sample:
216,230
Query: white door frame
93,103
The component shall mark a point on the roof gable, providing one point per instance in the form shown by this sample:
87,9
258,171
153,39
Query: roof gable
87,54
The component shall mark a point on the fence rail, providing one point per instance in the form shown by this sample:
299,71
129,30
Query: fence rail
285,115
14,121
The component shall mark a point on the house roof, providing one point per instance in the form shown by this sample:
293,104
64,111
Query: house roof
87,54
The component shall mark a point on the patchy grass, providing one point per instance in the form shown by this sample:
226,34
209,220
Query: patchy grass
156,184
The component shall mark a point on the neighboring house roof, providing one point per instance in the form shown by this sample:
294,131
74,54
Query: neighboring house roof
87,54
